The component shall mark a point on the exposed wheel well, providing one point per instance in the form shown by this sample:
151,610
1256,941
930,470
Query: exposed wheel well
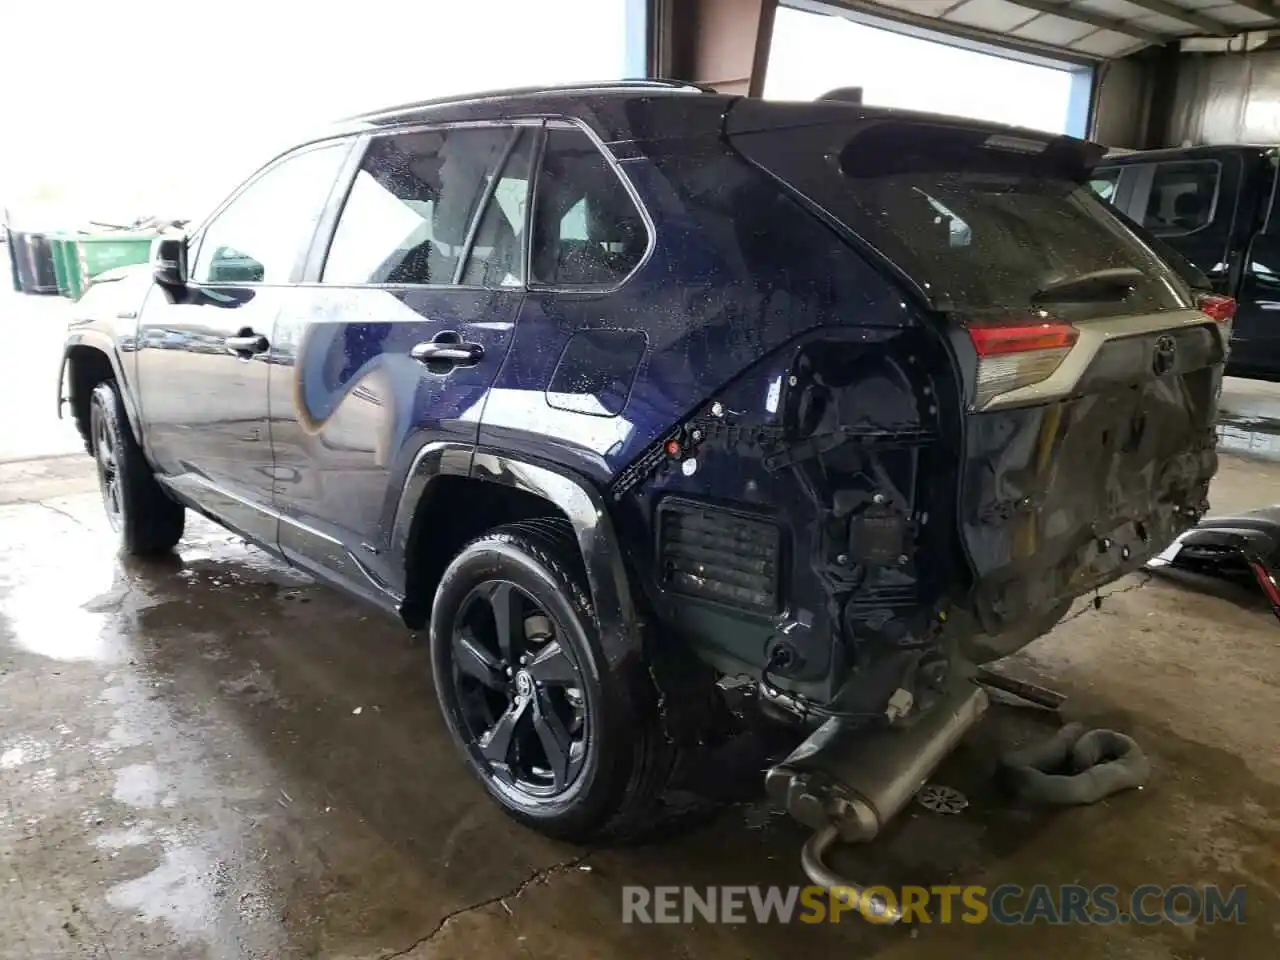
452,511
87,367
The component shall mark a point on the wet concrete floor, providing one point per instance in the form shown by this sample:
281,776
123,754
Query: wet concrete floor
211,757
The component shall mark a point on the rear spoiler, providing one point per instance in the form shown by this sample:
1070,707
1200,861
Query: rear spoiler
873,141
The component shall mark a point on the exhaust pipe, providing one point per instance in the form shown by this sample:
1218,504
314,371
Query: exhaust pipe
847,783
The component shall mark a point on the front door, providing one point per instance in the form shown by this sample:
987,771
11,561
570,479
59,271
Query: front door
203,351
396,342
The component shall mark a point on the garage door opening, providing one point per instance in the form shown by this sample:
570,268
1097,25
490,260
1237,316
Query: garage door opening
815,52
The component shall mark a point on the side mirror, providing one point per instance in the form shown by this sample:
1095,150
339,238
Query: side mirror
169,261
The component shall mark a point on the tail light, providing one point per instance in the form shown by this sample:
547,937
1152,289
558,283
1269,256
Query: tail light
1215,305
1011,356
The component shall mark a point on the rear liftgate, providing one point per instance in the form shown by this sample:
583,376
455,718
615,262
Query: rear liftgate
1091,373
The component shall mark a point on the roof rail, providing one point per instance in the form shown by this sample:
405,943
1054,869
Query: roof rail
625,84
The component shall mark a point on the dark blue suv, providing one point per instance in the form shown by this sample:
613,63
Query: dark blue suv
634,393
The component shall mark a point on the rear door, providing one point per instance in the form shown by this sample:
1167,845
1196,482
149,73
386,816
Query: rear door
396,338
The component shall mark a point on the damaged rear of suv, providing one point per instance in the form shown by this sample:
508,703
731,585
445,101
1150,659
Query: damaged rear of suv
1001,400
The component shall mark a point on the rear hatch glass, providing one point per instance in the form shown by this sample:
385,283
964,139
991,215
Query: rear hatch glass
976,221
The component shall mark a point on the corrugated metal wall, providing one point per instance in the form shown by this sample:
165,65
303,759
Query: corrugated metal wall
1226,98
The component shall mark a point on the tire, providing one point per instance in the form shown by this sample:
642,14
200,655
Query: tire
608,781
144,517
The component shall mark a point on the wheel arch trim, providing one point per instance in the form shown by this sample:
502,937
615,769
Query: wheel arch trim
96,340
573,495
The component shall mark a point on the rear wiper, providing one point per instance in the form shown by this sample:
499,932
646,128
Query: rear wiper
1113,283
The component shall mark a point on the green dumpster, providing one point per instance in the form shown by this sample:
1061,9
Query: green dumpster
61,251
101,252
66,264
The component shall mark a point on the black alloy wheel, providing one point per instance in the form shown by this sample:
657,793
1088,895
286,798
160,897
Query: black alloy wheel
566,737
104,453
525,717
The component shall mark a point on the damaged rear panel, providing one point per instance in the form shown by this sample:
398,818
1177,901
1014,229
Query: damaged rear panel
1088,369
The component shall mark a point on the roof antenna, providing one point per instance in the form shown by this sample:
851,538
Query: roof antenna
844,94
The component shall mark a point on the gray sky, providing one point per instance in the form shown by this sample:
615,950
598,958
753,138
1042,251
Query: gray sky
152,106
148,106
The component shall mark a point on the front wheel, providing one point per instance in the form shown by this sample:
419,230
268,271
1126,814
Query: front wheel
143,516
566,742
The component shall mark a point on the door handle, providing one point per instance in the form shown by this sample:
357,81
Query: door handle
247,344
451,351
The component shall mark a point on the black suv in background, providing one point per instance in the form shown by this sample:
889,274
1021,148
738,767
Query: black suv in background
1217,207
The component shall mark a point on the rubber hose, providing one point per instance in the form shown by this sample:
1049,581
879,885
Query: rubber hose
1076,766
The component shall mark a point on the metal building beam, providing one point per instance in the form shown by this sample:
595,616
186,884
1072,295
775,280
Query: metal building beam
1081,15
718,43
1265,7
1209,25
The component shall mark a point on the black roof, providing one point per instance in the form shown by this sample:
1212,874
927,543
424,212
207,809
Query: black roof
632,110
616,87
613,108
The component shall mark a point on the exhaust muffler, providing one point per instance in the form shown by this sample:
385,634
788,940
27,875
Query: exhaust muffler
846,782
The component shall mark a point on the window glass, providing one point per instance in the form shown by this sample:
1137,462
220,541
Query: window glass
406,218
982,241
991,243
497,253
1103,183
1182,196
587,230
979,222
264,232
